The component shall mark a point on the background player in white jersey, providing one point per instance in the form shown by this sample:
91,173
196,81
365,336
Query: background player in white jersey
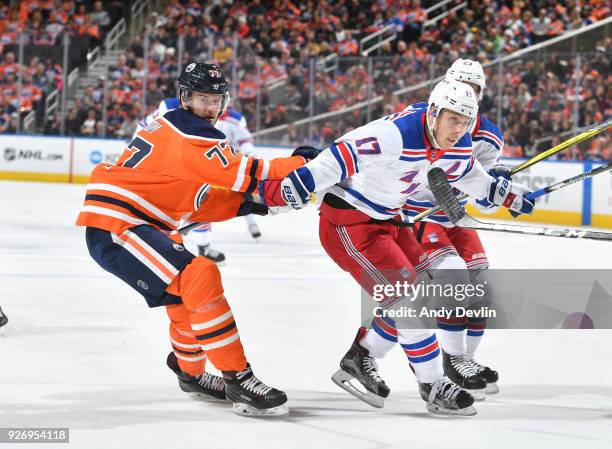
451,247
362,181
234,126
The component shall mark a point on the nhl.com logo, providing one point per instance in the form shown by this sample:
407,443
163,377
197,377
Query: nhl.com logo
10,154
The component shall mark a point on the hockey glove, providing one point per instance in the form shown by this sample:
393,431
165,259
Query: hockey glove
500,171
500,195
307,152
277,194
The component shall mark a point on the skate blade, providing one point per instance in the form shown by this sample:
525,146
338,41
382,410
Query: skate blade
479,395
492,388
343,380
438,410
247,410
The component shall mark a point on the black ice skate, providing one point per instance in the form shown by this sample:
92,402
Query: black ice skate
207,385
443,397
490,376
359,366
460,370
252,397
3,318
254,230
211,254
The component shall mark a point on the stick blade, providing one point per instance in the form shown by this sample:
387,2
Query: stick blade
444,195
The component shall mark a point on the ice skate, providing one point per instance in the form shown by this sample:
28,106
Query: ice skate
254,230
206,385
489,375
358,367
252,397
460,370
444,397
211,254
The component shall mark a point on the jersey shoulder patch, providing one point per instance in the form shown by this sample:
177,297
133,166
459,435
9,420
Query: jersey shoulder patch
190,125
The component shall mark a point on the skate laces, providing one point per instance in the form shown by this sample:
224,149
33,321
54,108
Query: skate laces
207,380
252,384
370,367
445,387
464,366
479,368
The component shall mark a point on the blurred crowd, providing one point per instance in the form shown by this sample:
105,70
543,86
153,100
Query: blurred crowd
43,22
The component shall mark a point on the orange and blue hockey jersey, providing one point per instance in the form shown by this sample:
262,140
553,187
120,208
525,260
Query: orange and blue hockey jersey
179,169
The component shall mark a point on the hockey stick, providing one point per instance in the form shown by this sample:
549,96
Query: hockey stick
540,157
456,213
569,181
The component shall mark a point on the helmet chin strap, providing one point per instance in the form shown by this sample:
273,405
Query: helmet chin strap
431,126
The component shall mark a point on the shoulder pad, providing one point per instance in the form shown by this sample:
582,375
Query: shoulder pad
411,129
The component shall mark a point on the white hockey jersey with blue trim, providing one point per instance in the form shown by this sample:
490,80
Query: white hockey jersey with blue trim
377,167
488,144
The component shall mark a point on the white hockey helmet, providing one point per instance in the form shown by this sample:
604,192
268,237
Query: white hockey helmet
454,96
468,71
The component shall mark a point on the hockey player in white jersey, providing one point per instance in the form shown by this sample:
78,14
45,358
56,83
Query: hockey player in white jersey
362,182
233,124
451,247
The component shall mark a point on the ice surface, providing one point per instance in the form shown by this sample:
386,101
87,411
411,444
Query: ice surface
83,351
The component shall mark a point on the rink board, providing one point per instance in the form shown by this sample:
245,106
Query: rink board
62,159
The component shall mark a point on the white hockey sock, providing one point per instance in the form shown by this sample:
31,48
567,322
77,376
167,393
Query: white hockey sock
473,339
376,345
250,219
203,235
423,352
452,342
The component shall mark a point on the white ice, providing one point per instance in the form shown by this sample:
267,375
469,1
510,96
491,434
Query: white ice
83,351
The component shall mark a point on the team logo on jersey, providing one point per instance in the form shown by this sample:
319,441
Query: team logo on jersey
178,247
142,284
190,67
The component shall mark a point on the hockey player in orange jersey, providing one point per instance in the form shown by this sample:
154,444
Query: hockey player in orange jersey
180,169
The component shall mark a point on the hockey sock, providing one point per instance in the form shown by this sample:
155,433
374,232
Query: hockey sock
250,219
202,235
191,358
451,332
211,318
380,338
421,348
475,331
